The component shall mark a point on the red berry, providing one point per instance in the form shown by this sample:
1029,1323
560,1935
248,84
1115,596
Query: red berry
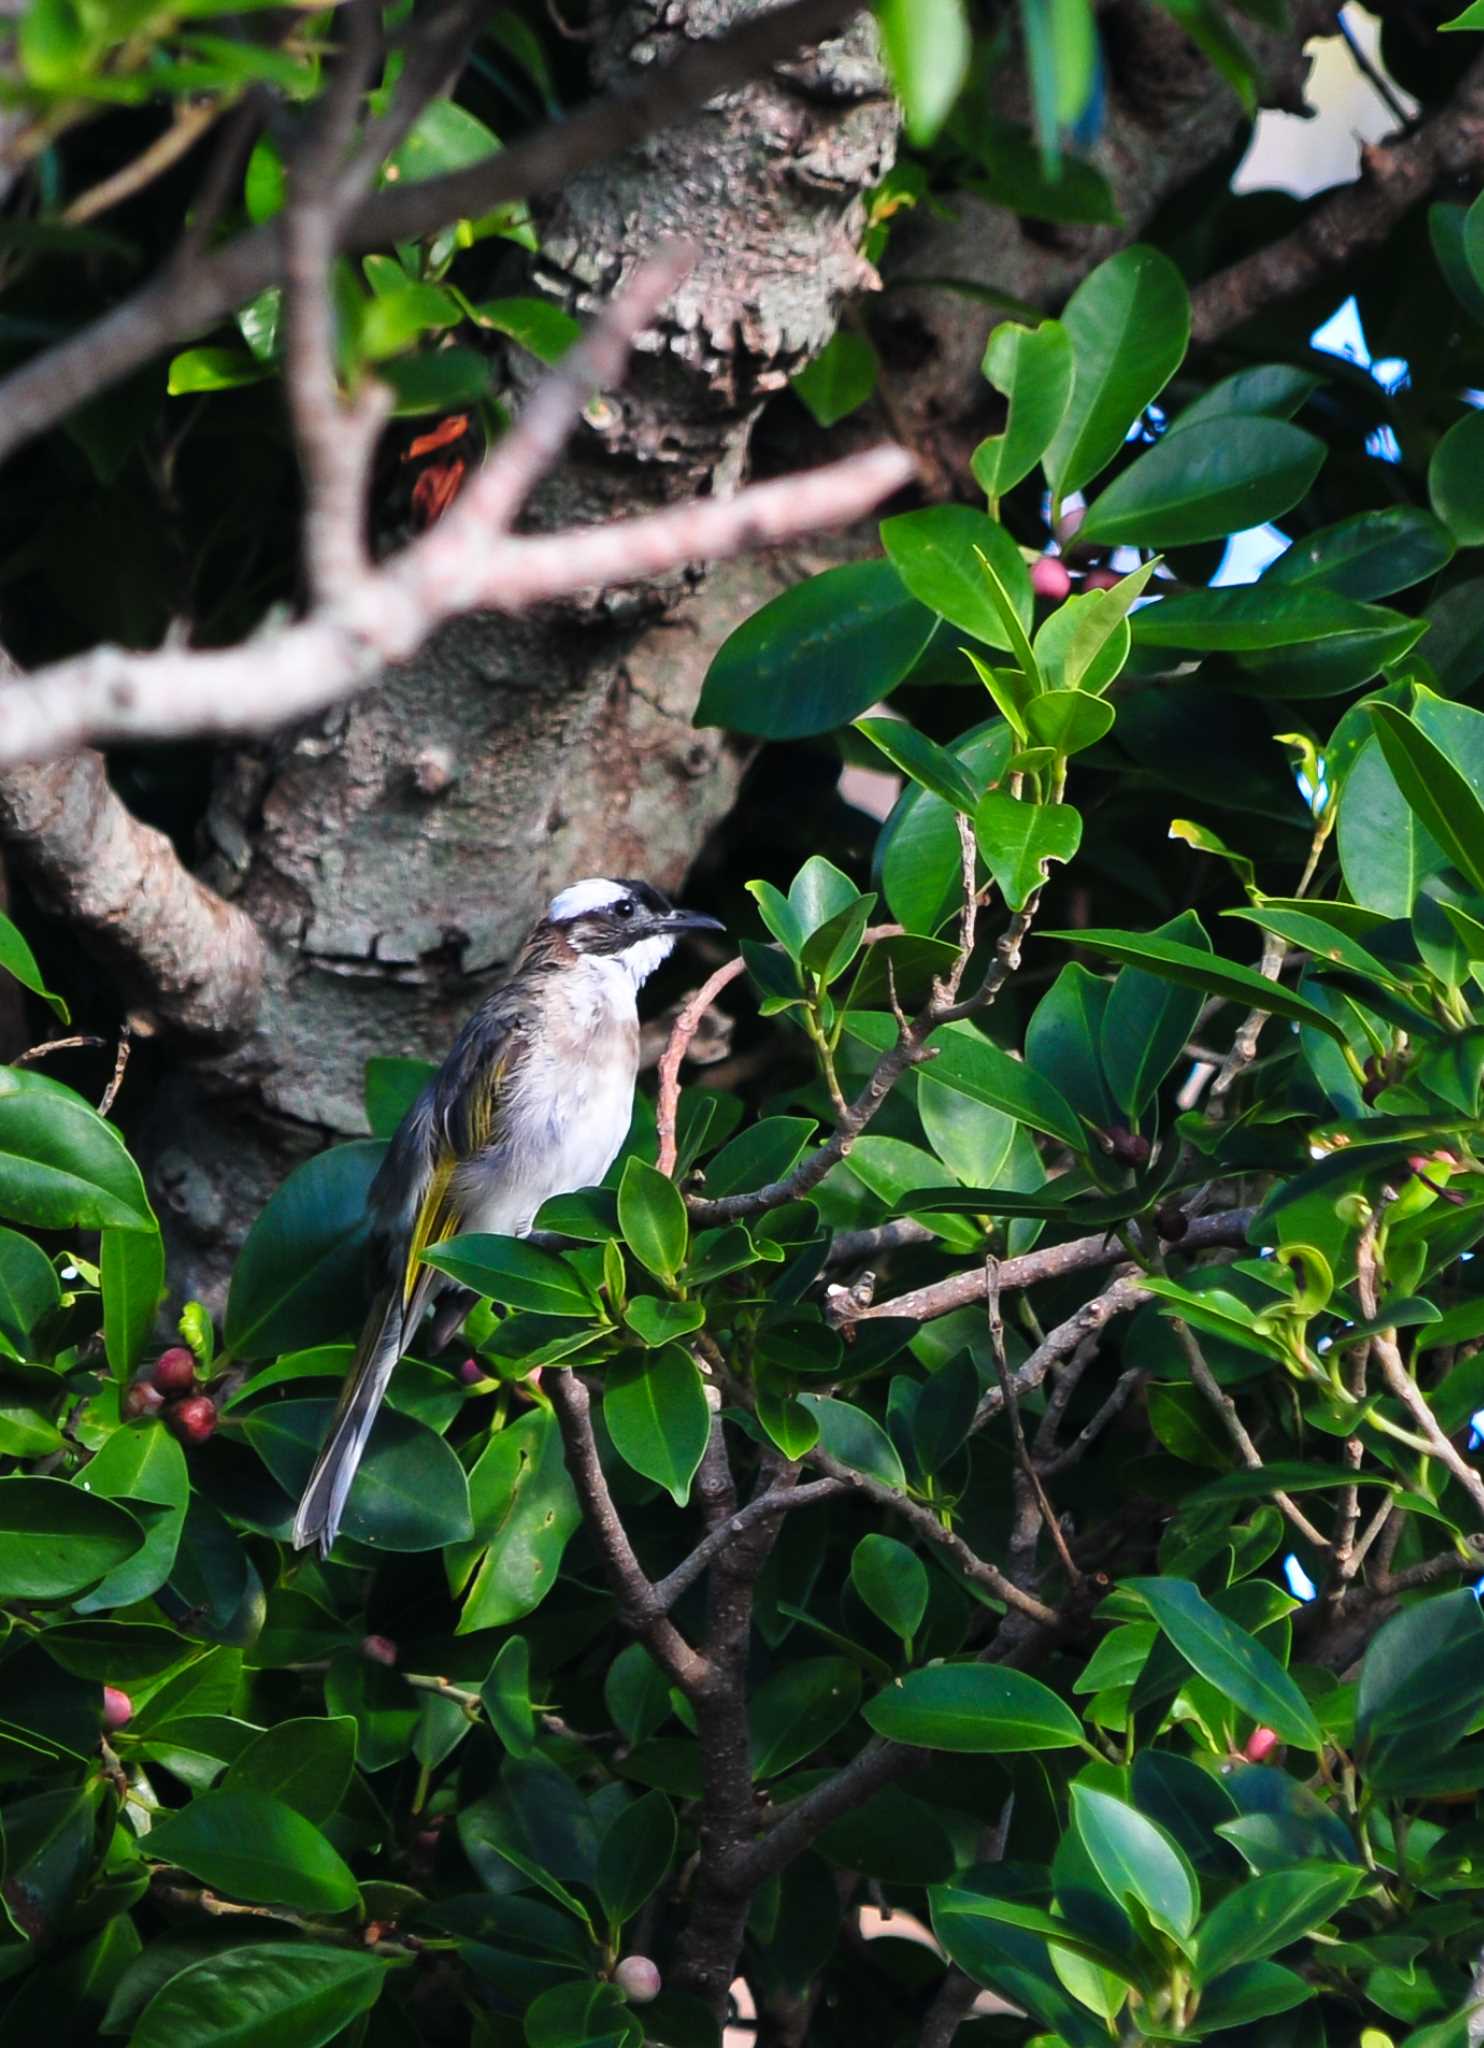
1128,1146
174,1371
472,1373
1101,579
379,1650
1260,1745
638,1979
1049,578
192,1420
141,1399
118,1708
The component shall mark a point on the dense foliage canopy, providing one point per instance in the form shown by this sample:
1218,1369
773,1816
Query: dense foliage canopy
1004,1471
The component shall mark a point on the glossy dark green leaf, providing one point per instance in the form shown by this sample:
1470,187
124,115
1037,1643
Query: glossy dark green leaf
506,1694
763,1153
981,1708
17,959
392,1086
301,1276
1214,478
1128,321
1441,797
1369,555
818,655
1193,968
261,1995
936,552
306,1762
923,760
57,1540
409,1494
636,1851
855,1438
62,1167
651,1214
1064,1038
1455,480
1421,1685
970,1064
514,1273
1234,1662
655,1409
1253,1992
132,1268
893,1582
28,1287
1271,390
1253,617
143,1464
1031,367
798,1709
1136,1859
525,1512
1385,849
1148,1022
1267,1913
657,1321
253,1846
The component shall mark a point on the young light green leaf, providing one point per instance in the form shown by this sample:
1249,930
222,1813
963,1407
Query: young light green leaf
1017,838
940,554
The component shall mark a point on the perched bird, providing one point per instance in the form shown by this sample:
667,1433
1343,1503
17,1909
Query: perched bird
534,1100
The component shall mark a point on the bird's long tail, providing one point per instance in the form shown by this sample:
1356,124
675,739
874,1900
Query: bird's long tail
376,1356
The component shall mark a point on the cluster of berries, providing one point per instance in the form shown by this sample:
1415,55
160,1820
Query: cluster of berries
168,1389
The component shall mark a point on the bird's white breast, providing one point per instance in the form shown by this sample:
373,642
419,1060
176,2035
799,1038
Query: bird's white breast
571,1103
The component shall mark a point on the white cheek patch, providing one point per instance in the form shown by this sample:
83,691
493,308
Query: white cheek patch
594,894
639,961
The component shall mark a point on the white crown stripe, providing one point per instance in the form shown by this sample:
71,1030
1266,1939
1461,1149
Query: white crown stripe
594,894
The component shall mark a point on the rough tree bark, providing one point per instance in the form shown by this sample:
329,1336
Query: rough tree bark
392,853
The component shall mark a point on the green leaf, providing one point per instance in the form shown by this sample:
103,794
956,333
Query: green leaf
1032,368
1233,1661
213,369
1136,1859
765,1152
506,1694
893,1582
131,1266
637,1849
306,1762
543,329
655,1409
971,1064
28,1288
927,45
923,760
1272,390
62,1167
255,1847
651,1215
260,1996
1129,321
856,1439
56,1540
300,1277
445,137
818,655
143,1464
1148,1022
1253,617
1192,968
1267,1913
1258,1991
1421,1686
1017,839
1440,796
1385,849
523,1506
1063,1038
1013,174
839,380
410,1492
17,959
1069,722
972,1140
798,1709
1061,52
1215,478
662,1322
937,553
514,1273
1085,642
1369,555
985,1709
392,1086
1455,480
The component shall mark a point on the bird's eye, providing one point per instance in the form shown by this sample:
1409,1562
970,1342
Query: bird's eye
624,907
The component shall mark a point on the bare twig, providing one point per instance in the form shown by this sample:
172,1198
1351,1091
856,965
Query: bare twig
1225,1408
190,123
43,1051
964,1290
1029,1474
687,1024
775,1501
120,1065
638,1605
1393,1370
1125,1293
1117,1400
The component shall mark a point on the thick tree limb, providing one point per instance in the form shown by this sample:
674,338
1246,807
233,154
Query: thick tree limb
1395,175
185,301
192,961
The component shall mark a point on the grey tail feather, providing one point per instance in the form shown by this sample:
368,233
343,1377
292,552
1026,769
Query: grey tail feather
323,1501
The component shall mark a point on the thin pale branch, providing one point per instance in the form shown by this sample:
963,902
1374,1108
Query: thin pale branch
686,1025
1225,1408
775,1501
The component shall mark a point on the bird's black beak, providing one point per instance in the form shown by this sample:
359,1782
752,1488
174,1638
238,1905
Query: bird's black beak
691,921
